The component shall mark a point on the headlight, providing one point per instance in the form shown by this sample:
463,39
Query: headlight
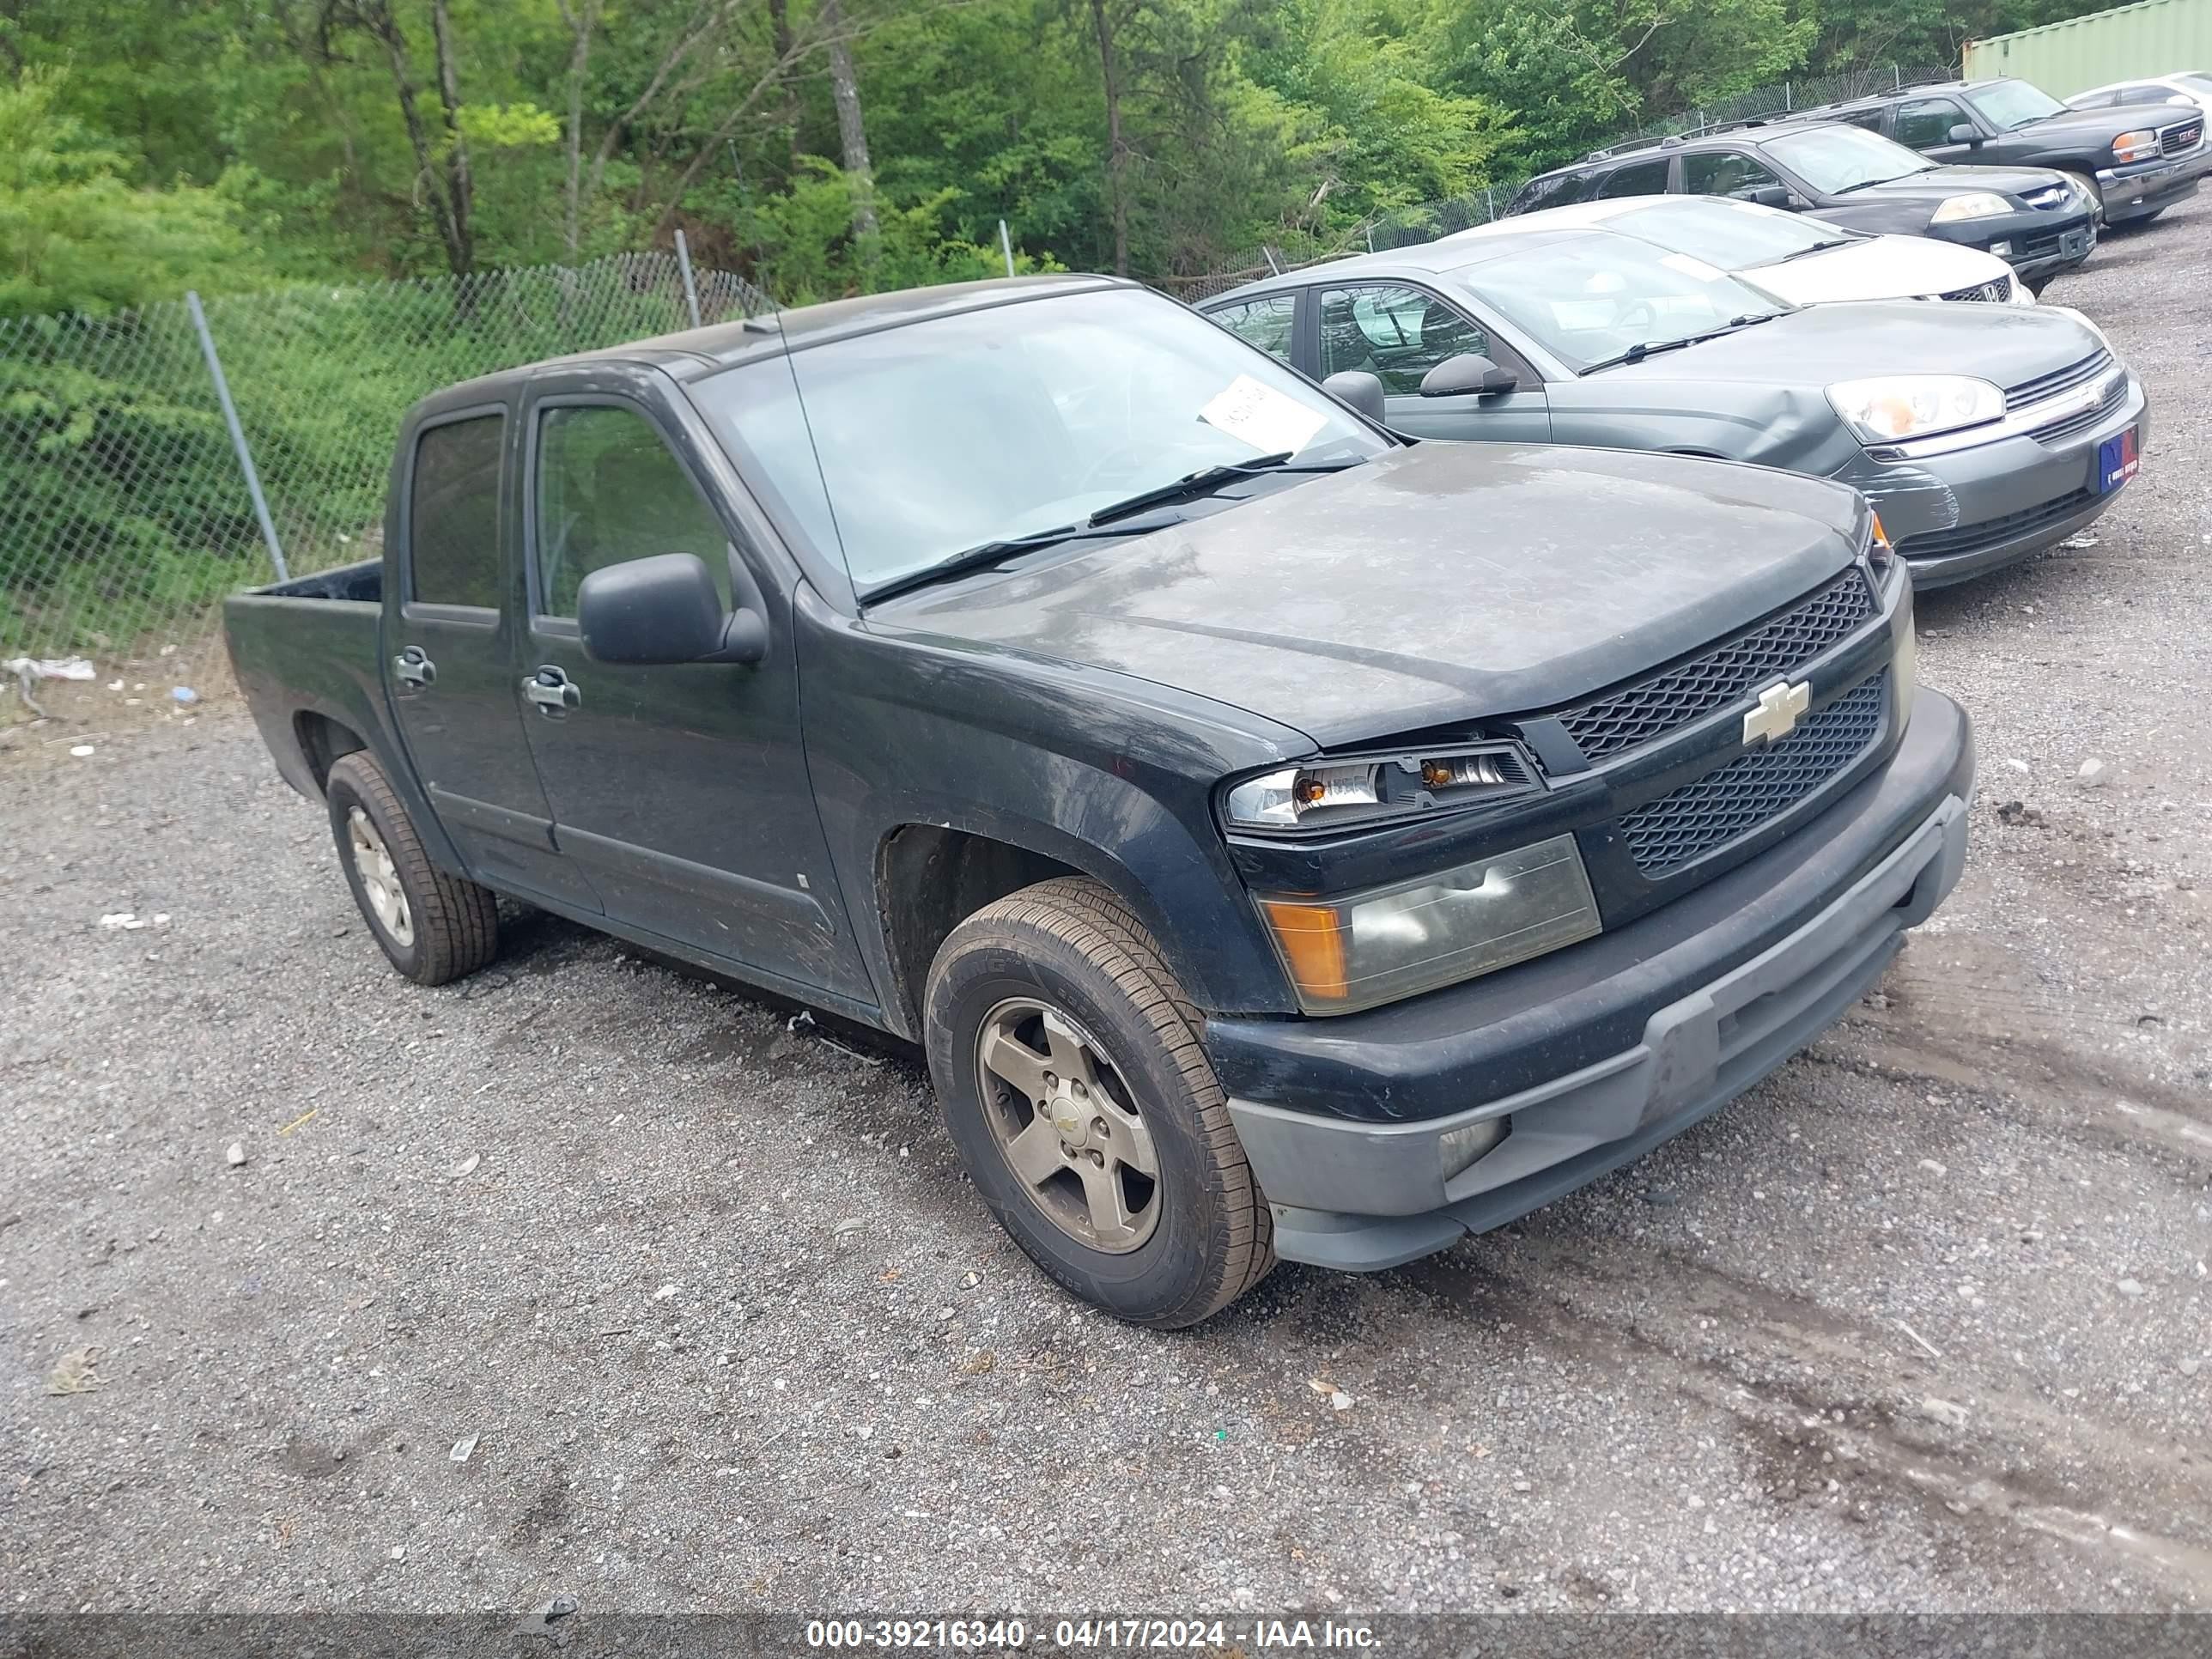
2137,146
1888,407
1349,794
1375,946
1975,205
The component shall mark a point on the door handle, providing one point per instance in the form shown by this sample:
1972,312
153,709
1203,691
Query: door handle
553,692
412,667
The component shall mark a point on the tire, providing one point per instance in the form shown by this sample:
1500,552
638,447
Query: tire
1061,967
442,927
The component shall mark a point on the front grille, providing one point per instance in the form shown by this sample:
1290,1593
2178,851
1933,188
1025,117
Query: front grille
1997,293
1756,787
1974,537
2049,198
2069,426
2179,140
1675,696
2037,247
2058,380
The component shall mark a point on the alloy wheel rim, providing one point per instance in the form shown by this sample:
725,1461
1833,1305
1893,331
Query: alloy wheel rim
1065,1119
379,879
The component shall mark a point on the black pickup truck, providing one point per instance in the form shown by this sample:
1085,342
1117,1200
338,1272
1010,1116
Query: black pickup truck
2135,160
1286,841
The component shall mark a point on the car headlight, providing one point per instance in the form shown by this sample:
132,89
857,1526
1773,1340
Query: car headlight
1888,407
1351,794
1974,204
1348,953
2137,146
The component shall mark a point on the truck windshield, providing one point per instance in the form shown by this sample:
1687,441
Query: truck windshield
906,448
2006,104
1834,160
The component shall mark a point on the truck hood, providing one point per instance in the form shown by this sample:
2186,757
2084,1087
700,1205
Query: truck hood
2003,343
1881,268
2071,126
1438,585
1939,185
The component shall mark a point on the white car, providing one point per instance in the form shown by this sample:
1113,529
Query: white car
1792,256
2188,86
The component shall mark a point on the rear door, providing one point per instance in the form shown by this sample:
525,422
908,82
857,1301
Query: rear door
448,643
680,790
1398,332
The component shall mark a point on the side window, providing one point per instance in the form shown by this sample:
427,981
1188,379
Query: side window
609,491
2096,100
1868,118
1643,178
1396,334
1265,323
1924,123
452,514
1725,173
2152,94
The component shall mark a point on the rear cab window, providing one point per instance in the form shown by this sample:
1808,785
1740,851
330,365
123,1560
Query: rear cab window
452,513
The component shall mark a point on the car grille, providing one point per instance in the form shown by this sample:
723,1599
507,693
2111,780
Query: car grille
1674,698
2069,426
1997,293
2181,139
2049,198
2038,248
1756,786
2058,380
1973,537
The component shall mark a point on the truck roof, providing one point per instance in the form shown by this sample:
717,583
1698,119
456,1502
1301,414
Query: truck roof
693,352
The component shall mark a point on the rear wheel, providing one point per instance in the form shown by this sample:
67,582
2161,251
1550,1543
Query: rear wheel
432,926
1066,1059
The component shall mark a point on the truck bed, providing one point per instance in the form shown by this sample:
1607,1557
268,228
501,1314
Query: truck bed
362,583
307,658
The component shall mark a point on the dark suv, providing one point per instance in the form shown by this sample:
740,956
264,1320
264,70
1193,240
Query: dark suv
2036,220
2137,160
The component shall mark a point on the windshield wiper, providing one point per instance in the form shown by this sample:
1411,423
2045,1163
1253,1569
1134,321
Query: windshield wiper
1098,525
1818,247
1637,353
1212,477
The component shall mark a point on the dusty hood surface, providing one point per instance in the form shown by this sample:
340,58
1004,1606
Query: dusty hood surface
1435,586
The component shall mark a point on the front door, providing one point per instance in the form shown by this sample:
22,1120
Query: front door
448,647
680,790
1399,333
1926,125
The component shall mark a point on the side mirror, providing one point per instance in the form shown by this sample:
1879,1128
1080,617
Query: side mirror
1773,196
1469,373
664,610
1357,387
1964,134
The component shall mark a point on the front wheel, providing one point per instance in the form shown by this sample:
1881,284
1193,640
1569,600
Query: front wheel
1066,1059
432,926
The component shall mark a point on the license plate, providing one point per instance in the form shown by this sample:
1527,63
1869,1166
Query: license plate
2117,460
2073,242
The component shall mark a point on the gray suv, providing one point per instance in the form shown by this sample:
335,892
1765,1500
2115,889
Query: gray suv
1981,434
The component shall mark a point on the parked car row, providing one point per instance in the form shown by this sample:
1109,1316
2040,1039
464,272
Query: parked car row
1287,836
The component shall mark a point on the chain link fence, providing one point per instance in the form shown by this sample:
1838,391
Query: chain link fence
124,510
1409,227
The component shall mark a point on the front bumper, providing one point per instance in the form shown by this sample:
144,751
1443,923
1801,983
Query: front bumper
1642,1031
1957,515
2038,246
2148,187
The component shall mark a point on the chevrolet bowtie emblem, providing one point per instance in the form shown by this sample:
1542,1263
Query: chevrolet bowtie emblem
1775,717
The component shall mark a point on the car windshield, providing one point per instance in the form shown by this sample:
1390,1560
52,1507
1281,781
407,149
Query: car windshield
1588,298
1728,235
2008,103
1833,160
907,447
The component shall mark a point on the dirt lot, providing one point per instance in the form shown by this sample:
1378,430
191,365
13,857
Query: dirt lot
1922,1322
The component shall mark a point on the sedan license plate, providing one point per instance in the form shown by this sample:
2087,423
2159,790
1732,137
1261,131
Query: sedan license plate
2073,242
2117,460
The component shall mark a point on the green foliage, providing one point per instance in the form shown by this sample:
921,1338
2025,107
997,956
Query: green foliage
75,234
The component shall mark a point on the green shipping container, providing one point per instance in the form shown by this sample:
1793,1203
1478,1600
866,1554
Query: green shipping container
2158,37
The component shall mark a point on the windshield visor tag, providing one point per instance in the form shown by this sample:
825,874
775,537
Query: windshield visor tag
1270,420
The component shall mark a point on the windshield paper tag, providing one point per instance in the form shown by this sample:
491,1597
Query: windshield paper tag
1263,417
1689,267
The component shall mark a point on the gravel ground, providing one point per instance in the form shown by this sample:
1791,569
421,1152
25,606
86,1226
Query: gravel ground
1923,1323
